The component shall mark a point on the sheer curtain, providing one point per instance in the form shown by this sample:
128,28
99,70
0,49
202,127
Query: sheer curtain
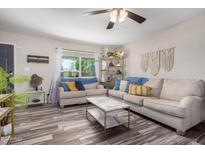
97,63
53,94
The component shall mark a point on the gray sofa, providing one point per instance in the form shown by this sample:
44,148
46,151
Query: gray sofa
177,103
79,97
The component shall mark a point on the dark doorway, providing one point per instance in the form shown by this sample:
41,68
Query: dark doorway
7,59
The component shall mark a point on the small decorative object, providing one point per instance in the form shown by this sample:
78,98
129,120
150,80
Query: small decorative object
154,63
167,59
36,81
144,61
36,100
118,64
110,54
103,78
118,72
37,59
115,54
111,64
104,65
120,54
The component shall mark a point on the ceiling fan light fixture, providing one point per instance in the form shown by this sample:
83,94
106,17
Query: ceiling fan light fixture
122,15
114,15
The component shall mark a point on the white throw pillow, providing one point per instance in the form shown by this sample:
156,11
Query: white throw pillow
90,86
123,85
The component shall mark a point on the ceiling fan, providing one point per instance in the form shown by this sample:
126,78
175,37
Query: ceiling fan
117,15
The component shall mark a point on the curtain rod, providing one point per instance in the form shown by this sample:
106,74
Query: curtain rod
78,50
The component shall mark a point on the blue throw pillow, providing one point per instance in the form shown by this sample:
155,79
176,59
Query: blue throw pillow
135,80
79,85
65,87
117,84
143,81
88,80
69,79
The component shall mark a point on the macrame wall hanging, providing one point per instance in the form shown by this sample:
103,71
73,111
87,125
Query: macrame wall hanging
153,60
167,59
144,61
154,63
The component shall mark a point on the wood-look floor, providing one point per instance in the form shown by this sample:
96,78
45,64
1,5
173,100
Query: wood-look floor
52,125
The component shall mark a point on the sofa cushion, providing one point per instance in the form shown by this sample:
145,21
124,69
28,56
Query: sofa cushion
93,92
91,86
156,85
72,94
115,93
174,89
100,86
135,99
165,106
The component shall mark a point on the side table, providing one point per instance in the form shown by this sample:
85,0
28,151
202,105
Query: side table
36,97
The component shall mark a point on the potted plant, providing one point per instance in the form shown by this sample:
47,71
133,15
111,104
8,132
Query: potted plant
7,79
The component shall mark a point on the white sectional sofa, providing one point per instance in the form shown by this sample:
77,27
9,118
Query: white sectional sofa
177,103
79,97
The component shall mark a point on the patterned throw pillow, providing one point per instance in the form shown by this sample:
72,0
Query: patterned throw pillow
135,80
71,86
79,85
139,90
65,87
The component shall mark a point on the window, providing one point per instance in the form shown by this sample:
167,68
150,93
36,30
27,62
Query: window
72,66
88,67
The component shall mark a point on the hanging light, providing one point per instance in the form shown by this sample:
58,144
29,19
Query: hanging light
122,15
114,15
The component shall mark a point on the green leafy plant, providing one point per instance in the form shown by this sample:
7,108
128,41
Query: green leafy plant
3,80
6,79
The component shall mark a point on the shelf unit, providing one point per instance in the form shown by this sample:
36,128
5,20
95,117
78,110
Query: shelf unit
4,114
39,94
111,69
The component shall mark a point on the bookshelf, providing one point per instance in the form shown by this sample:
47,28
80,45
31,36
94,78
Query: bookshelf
111,69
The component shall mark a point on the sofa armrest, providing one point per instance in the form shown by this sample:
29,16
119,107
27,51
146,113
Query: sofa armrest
188,100
60,89
195,107
99,86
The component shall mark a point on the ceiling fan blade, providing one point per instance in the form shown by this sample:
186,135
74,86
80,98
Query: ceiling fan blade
110,25
96,12
135,17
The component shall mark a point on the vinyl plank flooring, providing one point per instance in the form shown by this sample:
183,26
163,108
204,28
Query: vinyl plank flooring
51,125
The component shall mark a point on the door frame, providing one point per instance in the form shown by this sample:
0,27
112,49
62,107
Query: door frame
15,56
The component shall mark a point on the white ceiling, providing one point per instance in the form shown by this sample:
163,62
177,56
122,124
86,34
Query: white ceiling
70,24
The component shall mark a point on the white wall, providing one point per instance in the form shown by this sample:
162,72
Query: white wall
188,38
25,44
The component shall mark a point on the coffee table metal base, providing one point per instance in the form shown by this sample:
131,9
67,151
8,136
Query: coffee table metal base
107,120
